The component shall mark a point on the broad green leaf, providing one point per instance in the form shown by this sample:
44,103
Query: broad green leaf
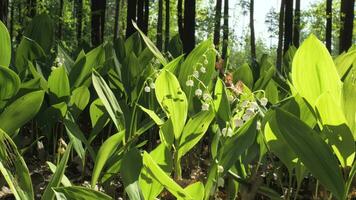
109,100
5,46
313,152
79,100
314,72
194,130
195,190
263,81
21,111
335,127
28,50
10,83
271,92
172,100
244,74
79,193
153,115
150,187
349,180
349,99
99,118
55,181
106,150
14,169
174,64
58,82
221,103
41,30
157,173
344,61
151,46
65,181
130,172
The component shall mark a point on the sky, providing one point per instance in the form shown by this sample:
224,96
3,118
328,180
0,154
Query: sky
261,9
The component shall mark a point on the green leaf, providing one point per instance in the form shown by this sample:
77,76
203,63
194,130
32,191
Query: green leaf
28,50
344,61
65,181
99,118
109,100
79,100
106,150
5,47
14,169
48,194
195,190
153,115
21,111
130,172
349,99
244,74
79,193
151,46
221,103
150,187
58,82
159,175
172,100
313,152
10,83
314,72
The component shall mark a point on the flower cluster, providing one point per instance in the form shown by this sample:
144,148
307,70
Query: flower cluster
150,86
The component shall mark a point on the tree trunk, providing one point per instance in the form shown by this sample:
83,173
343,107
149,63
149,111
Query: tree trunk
189,26
296,34
60,20
117,15
217,26
328,32
79,16
252,30
280,36
225,29
146,16
4,11
288,25
167,28
180,18
131,15
12,19
347,18
31,8
140,13
98,8
159,25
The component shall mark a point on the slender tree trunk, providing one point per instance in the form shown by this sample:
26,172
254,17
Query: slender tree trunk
20,20
131,16
180,18
347,18
280,36
31,8
60,20
288,25
225,29
117,16
4,11
217,27
12,19
328,36
79,16
98,8
167,28
252,30
296,34
140,13
159,25
189,26
146,16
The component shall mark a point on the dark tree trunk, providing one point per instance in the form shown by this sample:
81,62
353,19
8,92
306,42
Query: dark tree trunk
60,20
347,18
140,13
252,30
117,15
288,25
280,36
217,27
4,11
167,28
131,16
98,8
189,26
180,18
146,16
296,33
79,16
328,31
31,8
159,40
12,19
225,29
20,20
